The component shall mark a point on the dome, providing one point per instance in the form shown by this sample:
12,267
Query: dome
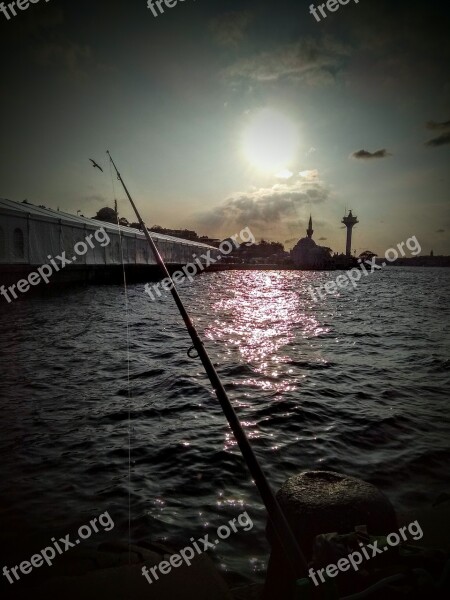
307,243
307,254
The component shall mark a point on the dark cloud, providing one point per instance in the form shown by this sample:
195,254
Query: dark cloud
441,140
440,126
229,29
33,27
72,57
366,53
397,45
365,155
440,230
322,239
41,34
309,60
44,36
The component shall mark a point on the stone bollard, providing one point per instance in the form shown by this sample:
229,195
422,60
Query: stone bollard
316,502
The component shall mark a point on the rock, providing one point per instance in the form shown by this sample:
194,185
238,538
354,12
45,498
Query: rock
318,502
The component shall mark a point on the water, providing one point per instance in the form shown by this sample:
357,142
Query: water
356,384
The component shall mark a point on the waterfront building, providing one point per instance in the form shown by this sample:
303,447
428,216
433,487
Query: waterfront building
306,254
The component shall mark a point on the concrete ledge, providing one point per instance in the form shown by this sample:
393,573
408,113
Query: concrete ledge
94,575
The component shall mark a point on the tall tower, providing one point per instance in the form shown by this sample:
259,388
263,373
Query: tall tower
349,221
310,230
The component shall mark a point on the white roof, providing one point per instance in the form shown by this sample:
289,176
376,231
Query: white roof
56,215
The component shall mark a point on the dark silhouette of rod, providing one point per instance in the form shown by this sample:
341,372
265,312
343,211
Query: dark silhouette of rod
286,538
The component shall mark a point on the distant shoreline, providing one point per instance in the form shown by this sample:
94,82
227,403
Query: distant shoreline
416,261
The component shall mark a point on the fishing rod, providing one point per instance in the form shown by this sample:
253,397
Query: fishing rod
281,527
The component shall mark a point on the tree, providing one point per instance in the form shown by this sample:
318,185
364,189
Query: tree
106,214
367,255
277,247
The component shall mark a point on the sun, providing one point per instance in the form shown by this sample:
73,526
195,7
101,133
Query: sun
270,141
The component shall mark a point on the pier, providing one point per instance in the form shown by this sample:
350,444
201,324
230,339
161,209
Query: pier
31,236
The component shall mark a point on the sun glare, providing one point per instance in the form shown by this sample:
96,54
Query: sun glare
270,141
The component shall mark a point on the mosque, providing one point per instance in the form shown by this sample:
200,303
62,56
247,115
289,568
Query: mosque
306,254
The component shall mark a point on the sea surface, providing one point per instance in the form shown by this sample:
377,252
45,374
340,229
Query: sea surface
102,410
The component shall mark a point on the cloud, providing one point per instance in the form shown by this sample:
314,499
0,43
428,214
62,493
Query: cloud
73,57
41,34
309,174
284,174
441,140
440,230
229,29
322,239
365,155
441,126
312,61
264,206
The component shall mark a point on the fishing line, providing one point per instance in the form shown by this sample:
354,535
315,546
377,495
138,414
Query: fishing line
286,538
125,287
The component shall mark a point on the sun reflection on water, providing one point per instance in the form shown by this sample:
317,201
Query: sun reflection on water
264,318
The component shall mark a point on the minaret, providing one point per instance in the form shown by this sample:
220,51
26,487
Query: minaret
310,230
349,222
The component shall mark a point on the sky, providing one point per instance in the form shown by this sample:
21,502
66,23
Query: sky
229,114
